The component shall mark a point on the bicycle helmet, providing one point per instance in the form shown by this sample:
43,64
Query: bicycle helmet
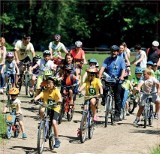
114,48
48,73
149,63
92,60
37,57
155,43
92,70
52,78
78,44
57,37
138,70
46,52
14,91
10,55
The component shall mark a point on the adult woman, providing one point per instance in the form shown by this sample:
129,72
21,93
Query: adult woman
2,61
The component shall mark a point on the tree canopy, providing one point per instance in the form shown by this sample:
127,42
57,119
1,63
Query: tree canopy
94,22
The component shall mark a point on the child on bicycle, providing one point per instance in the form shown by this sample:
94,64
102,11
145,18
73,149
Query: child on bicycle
44,64
93,87
51,92
149,85
10,68
69,79
15,104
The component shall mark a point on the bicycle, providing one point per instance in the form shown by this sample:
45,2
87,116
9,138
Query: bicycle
45,130
87,122
109,107
66,108
132,102
24,77
148,115
12,125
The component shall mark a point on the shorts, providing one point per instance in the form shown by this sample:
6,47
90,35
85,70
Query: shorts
144,97
12,76
39,81
19,117
53,114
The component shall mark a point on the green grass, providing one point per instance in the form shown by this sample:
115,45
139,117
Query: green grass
2,124
155,150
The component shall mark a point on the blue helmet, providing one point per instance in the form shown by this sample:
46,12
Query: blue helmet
114,48
138,70
149,63
92,60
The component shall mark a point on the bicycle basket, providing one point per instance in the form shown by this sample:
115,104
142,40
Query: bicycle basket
9,118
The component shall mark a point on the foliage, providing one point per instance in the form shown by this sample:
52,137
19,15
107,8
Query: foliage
93,22
155,150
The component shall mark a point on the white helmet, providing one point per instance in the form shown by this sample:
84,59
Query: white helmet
155,43
78,44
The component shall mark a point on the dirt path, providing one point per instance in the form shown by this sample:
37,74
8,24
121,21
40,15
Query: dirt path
122,138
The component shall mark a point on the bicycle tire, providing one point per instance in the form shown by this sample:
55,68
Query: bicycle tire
112,111
83,127
145,117
132,105
150,119
107,107
90,127
51,138
70,113
16,133
26,84
9,131
41,132
61,115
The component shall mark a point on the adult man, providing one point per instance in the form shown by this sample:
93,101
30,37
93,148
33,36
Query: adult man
56,47
153,53
114,66
22,49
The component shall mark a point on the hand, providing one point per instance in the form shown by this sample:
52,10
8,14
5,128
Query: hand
17,61
121,78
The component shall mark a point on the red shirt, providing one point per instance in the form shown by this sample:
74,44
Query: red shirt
77,55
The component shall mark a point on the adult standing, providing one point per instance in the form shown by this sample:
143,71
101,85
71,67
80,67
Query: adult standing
153,53
114,66
56,47
140,58
23,48
2,62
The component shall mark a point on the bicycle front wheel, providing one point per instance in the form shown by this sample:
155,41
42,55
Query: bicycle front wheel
70,113
90,127
51,139
9,131
83,128
41,138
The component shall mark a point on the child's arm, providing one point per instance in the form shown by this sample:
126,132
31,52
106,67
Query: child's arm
84,77
2,70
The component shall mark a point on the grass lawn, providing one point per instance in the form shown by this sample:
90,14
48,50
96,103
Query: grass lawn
2,123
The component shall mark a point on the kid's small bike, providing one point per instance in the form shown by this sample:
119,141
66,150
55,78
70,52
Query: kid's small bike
13,127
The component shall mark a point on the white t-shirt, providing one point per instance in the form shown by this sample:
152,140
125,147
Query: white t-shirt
14,105
22,50
149,85
43,65
143,63
56,48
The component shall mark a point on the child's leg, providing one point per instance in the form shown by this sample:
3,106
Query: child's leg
41,112
71,96
93,106
21,125
157,109
55,128
140,110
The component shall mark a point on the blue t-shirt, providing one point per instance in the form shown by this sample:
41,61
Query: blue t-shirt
114,66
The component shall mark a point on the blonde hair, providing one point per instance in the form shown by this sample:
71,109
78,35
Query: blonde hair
148,71
2,41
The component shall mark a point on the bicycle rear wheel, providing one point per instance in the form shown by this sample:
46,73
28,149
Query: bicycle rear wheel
132,106
16,133
83,128
51,138
41,138
150,120
26,84
107,107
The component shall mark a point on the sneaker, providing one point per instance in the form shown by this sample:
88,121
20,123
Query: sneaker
156,116
57,143
1,91
117,118
135,123
24,135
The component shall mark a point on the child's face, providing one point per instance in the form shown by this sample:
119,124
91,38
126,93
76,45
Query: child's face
149,66
13,97
138,75
47,57
10,59
50,84
146,75
155,67
92,65
69,59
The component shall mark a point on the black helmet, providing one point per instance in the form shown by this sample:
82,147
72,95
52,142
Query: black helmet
114,48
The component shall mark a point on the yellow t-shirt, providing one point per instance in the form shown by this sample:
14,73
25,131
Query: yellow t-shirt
54,94
92,88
